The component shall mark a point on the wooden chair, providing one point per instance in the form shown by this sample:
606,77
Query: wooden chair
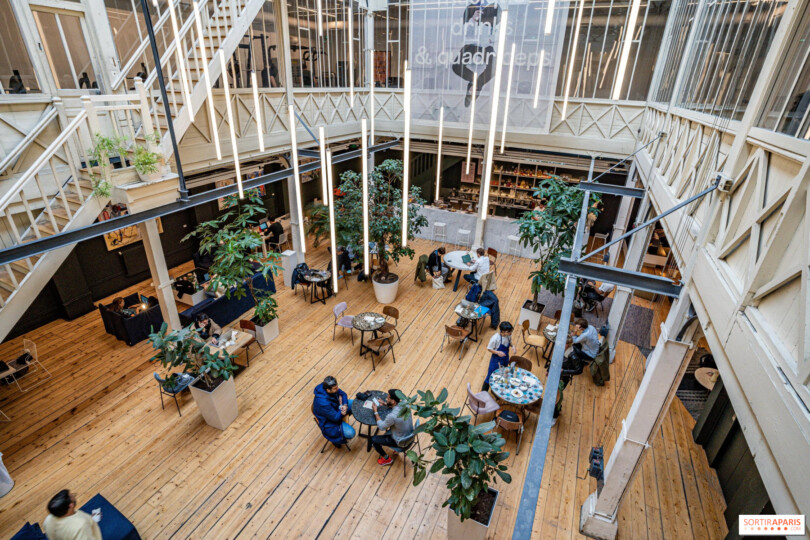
511,421
456,333
346,443
533,408
535,341
493,254
388,327
249,326
381,346
522,362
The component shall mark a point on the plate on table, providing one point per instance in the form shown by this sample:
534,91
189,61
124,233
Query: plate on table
379,320
515,381
516,393
523,387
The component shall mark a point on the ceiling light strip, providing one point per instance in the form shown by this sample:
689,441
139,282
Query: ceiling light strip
178,49
628,42
439,156
572,56
493,116
364,158
539,76
472,120
212,117
373,103
351,55
320,19
297,180
332,225
324,187
406,156
230,123
258,110
508,94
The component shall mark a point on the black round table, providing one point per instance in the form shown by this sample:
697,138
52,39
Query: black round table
368,321
365,416
319,279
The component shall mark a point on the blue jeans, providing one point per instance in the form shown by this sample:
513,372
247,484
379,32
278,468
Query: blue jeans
470,277
348,431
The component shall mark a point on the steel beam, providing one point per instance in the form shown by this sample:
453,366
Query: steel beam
55,241
305,152
610,189
620,276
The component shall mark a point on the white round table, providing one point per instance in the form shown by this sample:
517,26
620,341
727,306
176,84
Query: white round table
454,261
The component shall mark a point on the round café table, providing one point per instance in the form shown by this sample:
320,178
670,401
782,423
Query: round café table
524,389
473,313
319,280
365,415
367,321
454,261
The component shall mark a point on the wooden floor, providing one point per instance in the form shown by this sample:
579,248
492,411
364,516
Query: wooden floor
97,426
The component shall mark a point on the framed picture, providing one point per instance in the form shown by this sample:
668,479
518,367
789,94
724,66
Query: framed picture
125,236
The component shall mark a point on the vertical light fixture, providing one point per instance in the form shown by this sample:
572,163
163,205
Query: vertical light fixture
324,187
406,156
258,110
439,156
332,226
508,93
573,58
472,120
549,17
628,42
212,117
539,76
364,157
351,55
371,99
320,19
297,178
181,66
230,123
493,115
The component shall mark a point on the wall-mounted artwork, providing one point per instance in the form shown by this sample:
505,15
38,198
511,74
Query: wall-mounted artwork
125,236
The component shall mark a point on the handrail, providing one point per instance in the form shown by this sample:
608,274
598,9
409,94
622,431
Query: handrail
56,145
35,132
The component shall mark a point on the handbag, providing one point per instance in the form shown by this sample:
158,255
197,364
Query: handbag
438,283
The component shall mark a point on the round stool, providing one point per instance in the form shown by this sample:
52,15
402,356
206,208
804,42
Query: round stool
440,232
464,238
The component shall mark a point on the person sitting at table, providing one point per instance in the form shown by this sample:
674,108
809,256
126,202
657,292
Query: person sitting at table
344,262
501,348
206,328
479,267
117,306
436,265
66,522
398,427
330,406
275,230
585,344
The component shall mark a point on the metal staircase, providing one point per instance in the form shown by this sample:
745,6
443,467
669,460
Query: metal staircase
54,194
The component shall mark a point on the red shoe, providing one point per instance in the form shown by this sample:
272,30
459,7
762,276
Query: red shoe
385,461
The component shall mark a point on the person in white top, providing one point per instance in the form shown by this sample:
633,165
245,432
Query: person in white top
479,267
501,348
65,522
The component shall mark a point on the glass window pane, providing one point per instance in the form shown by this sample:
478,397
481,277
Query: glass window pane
77,46
55,50
126,25
16,70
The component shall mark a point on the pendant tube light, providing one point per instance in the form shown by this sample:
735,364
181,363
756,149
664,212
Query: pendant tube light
439,156
351,55
181,65
320,18
472,120
539,76
212,117
549,17
229,108
371,99
508,94
258,110
297,180
573,58
493,115
324,186
406,157
628,42
332,226
364,157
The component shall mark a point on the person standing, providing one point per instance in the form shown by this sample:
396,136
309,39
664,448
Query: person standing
330,406
501,348
397,430
65,522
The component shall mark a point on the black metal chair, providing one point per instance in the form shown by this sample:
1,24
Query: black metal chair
184,380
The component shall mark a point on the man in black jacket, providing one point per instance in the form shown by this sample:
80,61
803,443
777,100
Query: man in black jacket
436,265
276,230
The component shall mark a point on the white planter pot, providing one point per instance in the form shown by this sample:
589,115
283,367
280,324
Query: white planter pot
192,299
151,177
469,529
6,483
386,293
218,408
527,314
269,332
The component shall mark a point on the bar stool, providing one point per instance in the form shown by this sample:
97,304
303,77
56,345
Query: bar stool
514,245
464,238
440,232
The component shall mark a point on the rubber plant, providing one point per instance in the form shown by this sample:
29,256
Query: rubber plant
233,244
385,215
318,225
550,232
470,455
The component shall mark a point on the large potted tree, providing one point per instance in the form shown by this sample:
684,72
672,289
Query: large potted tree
385,221
470,455
214,390
234,246
549,231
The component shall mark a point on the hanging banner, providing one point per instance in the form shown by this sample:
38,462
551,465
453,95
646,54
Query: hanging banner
453,43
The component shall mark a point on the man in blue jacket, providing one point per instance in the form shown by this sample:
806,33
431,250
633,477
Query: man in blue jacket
330,405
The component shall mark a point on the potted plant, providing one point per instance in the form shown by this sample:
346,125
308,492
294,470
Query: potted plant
470,455
232,242
318,224
385,221
100,156
147,163
550,233
214,390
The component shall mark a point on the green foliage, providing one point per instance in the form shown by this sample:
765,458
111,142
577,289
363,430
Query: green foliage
233,244
184,349
107,147
318,223
550,232
145,161
470,455
385,213
101,188
266,307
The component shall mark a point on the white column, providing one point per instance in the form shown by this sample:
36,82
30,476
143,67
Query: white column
665,368
160,273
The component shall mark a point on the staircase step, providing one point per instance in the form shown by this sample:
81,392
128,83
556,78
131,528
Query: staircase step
22,266
7,283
